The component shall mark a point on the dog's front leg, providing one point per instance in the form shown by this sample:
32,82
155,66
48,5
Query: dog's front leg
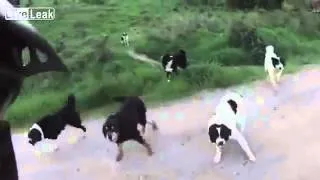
120,152
218,155
169,76
272,78
244,145
278,76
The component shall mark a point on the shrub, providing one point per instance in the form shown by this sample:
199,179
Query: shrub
245,37
270,4
99,2
241,4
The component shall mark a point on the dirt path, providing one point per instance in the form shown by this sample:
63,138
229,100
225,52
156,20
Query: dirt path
143,58
283,131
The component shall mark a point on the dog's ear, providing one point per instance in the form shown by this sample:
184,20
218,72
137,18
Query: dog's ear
104,130
225,132
213,133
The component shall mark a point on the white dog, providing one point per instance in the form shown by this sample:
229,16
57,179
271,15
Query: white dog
273,65
223,124
125,39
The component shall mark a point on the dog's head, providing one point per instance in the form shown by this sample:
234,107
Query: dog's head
219,134
110,128
277,64
34,136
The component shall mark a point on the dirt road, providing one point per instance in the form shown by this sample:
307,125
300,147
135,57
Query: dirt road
283,131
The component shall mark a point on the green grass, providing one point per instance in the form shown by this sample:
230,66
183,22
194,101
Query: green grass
102,70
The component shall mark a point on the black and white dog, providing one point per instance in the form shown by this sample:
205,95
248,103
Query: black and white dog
124,39
50,126
123,125
171,62
273,65
223,125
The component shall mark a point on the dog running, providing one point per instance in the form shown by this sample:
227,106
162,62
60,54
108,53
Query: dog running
273,65
50,126
171,62
223,125
124,39
122,126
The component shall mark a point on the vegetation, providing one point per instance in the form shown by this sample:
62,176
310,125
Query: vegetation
225,46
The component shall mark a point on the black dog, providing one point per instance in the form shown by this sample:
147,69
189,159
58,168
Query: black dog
50,126
122,125
171,62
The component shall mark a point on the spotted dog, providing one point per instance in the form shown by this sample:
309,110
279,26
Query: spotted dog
223,125
273,65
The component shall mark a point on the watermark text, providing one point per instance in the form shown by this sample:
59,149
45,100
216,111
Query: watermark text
31,13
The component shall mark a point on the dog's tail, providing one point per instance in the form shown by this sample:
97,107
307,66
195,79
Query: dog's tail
71,101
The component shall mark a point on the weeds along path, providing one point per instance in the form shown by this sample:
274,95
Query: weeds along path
143,58
282,130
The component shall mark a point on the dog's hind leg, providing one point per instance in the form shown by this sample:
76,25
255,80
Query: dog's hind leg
144,143
80,126
244,144
84,130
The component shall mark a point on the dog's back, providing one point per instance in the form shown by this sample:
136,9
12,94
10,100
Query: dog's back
51,125
181,59
132,111
229,108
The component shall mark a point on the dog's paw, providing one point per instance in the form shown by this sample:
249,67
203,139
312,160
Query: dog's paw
252,159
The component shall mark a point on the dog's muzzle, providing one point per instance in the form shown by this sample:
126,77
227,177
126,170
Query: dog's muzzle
220,143
112,136
32,142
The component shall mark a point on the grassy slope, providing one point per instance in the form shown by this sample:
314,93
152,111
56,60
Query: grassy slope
154,28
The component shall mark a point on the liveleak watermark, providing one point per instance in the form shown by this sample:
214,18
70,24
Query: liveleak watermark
32,13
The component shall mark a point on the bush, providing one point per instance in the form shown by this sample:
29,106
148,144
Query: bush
245,37
251,4
270,4
230,57
98,2
211,3
241,4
